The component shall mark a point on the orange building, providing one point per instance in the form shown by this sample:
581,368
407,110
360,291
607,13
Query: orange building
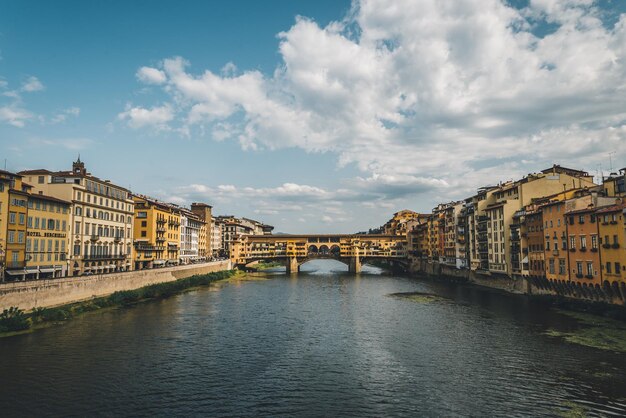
555,234
584,255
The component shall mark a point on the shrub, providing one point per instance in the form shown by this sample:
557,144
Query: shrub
14,319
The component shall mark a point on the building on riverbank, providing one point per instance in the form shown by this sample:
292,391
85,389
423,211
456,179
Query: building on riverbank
556,230
156,233
13,213
47,237
101,220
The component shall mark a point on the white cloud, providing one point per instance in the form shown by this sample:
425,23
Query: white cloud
425,95
14,115
149,75
156,117
64,114
32,84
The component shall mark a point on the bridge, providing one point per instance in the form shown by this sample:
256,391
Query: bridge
295,250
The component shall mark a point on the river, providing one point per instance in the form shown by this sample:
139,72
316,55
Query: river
320,343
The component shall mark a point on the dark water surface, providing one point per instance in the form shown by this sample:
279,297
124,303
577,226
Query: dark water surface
322,343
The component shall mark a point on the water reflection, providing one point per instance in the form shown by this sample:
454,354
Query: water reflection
322,342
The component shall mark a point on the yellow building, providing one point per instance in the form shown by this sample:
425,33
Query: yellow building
612,240
47,237
13,213
156,232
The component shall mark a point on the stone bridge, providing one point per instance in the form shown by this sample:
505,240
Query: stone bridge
295,250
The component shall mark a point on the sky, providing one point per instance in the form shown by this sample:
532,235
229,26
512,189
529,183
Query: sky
313,116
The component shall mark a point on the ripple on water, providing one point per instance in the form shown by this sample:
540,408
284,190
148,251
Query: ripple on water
318,343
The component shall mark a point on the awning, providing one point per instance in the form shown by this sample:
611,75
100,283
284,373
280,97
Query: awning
525,260
159,262
16,272
48,270
31,270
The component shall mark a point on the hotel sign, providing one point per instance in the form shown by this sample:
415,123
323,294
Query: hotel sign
46,234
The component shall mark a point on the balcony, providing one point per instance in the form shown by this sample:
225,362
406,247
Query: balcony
95,237
583,249
615,245
96,257
161,229
579,275
555,252
117,238
594,250
605,245
161,221
589,276
572,250
160,239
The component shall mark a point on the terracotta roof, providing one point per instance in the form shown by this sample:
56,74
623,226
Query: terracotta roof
38,171
612,208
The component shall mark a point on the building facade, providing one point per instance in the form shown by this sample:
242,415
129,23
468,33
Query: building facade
101,221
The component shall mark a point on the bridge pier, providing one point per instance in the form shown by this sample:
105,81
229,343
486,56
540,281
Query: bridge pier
292,265
355,265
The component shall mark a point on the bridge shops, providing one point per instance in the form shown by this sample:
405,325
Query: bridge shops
295,250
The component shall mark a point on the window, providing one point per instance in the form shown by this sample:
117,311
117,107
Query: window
614,239
77,227
11,237
144,224
22,218
579,268
608,267
142,214
143,233
29,222
581,219
572,241
547,245
589,268
592,218
551,265
20,237
12,217
561,266
79,211
594,242
583,241
618,268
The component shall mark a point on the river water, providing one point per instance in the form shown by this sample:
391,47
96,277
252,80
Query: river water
322,343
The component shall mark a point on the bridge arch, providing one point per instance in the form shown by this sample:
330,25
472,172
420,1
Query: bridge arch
324,250
312,249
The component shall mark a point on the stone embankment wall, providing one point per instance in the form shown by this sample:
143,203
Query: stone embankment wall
56,292
608,293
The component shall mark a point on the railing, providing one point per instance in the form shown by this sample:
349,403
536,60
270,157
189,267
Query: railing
95,237
103,257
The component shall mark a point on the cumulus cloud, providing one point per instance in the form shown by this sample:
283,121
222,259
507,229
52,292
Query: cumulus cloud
151,75
32,84
424,95
156,117
14,115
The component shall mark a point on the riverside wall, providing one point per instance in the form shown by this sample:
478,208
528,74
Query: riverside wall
610,293
56,292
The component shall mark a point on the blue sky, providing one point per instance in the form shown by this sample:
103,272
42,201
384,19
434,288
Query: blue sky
313,116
